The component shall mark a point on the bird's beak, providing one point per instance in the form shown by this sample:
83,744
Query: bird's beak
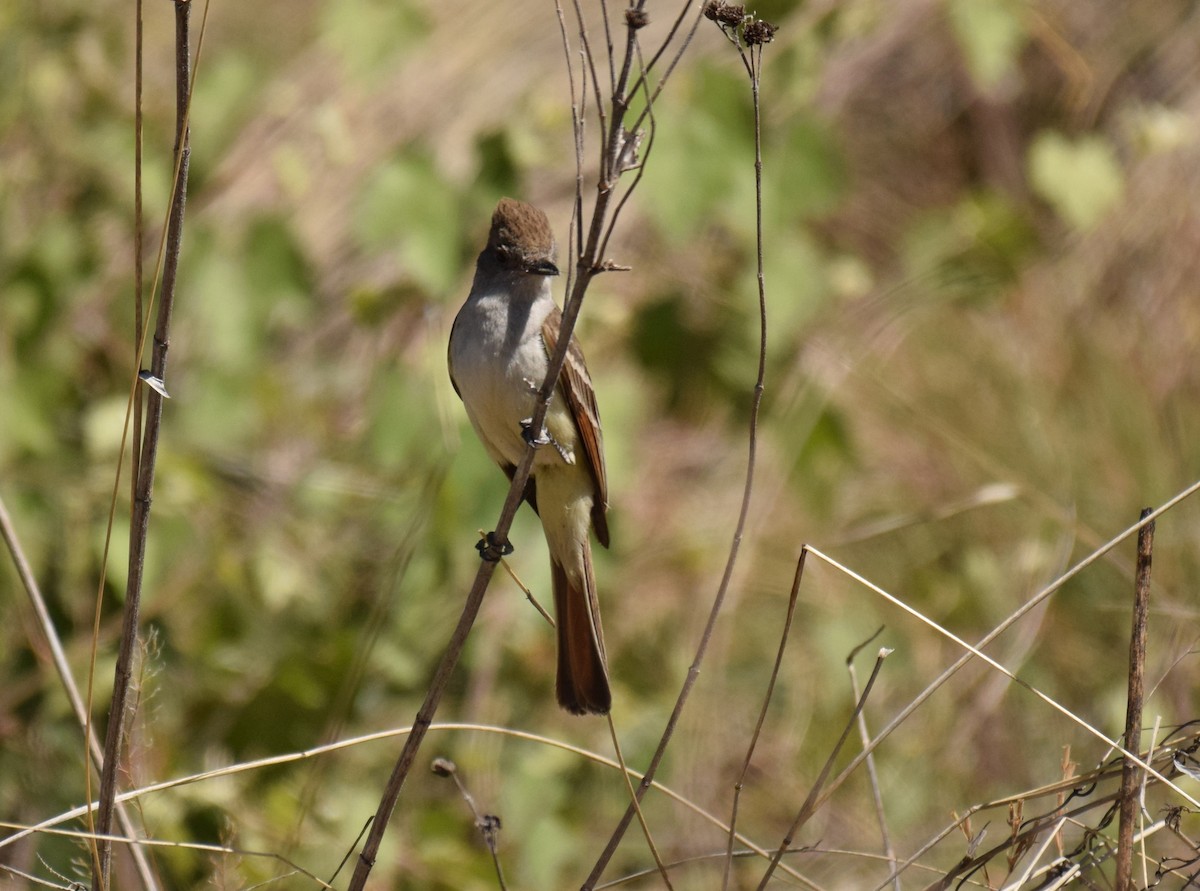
542,267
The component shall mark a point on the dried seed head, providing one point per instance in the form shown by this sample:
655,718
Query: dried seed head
731,15
758,32
443,767
636,18
728,15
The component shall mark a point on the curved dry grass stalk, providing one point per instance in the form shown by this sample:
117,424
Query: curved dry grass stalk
976,651
1029,605
202,847
22,831
63,668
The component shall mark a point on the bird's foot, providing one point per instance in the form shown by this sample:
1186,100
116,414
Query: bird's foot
492,550
542,438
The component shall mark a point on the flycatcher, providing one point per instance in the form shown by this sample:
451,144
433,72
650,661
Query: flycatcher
500,349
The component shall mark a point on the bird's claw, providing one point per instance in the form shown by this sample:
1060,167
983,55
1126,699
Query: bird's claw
492,550
541,439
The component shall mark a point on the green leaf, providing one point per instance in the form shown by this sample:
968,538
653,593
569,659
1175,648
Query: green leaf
701,143
1081,179
408,206
991,34
277,275
369,34
804,174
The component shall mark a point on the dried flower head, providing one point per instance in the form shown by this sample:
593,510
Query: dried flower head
636,18
728,15
758,32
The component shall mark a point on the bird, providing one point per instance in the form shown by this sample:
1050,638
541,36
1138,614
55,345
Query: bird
499,355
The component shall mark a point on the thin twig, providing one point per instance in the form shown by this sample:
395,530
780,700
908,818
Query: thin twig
641,166
739,530
977,652
809,807
872,774
59,657
520,584
139,523
589,66
487,824
139,275
687,40
1130,774
575,231
608,46
1026,607
587,267
658,861
762,717
433,696
668,40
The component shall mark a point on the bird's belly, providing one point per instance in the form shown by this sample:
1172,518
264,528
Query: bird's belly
500,396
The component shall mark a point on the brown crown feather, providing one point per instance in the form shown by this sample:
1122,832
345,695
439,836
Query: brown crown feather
521,230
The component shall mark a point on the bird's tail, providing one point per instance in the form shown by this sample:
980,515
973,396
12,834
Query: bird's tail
582,685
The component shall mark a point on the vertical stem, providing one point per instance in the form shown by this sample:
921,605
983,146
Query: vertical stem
58,655
1130,772
139,311
735,546
762,717
811,803
588,265
433,697
144,483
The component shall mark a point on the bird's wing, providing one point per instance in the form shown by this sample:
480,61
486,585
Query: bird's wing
449,353
575,383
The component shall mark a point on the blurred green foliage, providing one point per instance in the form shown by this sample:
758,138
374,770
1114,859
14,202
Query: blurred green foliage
979,266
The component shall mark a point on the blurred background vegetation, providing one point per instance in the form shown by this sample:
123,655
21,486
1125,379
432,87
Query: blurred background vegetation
981,260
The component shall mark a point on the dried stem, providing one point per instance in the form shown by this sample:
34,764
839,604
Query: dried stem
139,273
1131,774
487,824
59,657
637,806
762,717
144,481
872,774
809,807
589,263
735,546
1025,608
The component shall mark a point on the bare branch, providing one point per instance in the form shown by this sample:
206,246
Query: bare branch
1130,773
747,491
144,481
762,717
590,262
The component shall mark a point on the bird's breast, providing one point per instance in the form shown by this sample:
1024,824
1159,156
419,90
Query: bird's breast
498,361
